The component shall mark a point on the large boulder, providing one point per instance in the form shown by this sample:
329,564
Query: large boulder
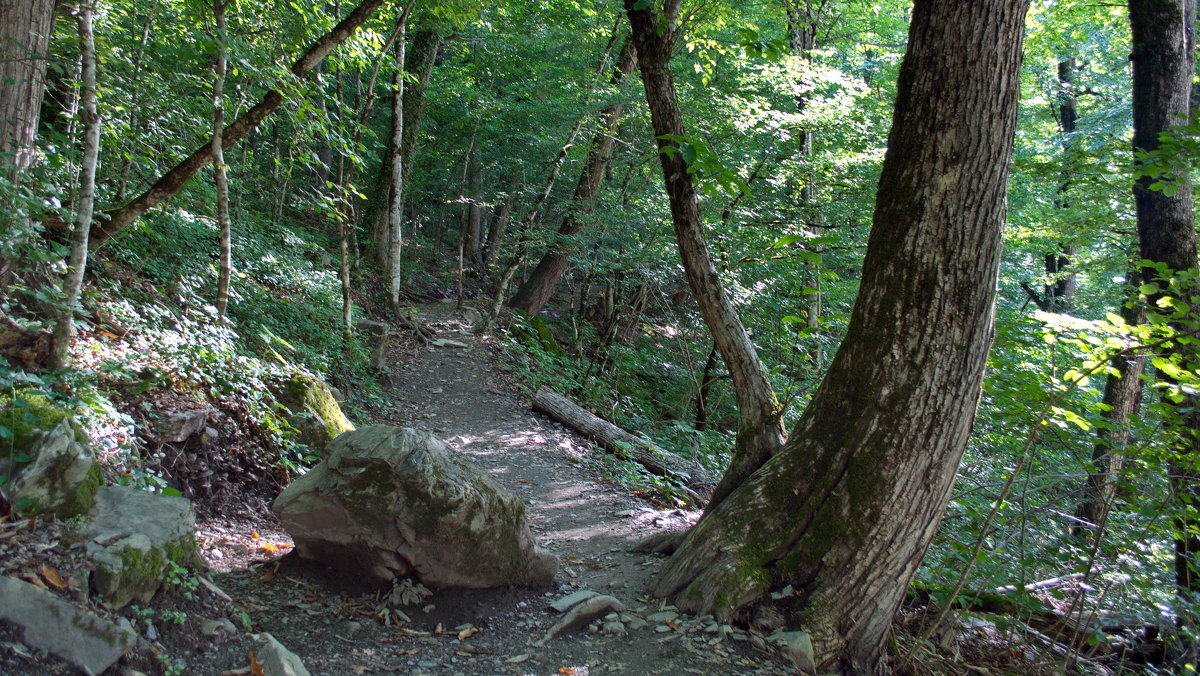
50,468
315,412
391,502
132,536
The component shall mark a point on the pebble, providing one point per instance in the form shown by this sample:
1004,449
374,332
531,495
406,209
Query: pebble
661,629
663,616
614,628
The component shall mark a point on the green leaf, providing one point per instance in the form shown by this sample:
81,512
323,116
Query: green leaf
172,491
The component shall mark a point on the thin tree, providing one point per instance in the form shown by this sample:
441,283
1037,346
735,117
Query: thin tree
225,272
846,509
73,282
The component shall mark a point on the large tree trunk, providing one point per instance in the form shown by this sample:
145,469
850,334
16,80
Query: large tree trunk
760,431
533,295
24,38
844,512
1162,73
170,183
73,282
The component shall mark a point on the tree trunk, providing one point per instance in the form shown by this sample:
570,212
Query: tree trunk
218,159
73,282
760,431
533,295
1163,60
24,39
616,440
844,512
500,224
170,183
393,231
473,231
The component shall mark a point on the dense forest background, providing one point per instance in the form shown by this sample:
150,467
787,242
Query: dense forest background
503,157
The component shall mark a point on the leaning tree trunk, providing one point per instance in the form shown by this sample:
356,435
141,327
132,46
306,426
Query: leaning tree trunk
846,509
1162,59
73,282
760,430
171,182
538,289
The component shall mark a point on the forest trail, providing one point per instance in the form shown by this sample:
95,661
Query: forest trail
457,393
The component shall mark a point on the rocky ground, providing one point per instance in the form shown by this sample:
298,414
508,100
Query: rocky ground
337,626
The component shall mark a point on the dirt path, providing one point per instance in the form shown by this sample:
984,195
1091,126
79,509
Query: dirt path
455,392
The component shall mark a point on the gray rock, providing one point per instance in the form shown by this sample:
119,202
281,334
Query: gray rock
131,535
595,607
570,600
661,629
277,660
797,645
218,627
662,616
633,621
63,477
179,426
391,502
315,412
767,618
614,627
89,642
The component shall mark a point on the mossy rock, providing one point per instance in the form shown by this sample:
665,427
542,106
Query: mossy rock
62,475
27,415
315,410
132,535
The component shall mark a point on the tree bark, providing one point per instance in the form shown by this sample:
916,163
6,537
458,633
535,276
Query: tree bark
538,289
73,282
170,183
24,39
394,240
616,440
1163,63
225,272
760,430
845,511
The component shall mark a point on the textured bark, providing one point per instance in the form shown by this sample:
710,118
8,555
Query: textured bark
24,38
538,289
616,440
500,224
845,511
1163,59
170,183
760,431
64,328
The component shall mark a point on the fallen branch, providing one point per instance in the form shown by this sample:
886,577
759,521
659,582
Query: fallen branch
616,440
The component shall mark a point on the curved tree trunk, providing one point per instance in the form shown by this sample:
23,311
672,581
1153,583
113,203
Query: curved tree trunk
225,272
533,295
760,431
845,511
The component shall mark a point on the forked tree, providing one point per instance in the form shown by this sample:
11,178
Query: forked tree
845,510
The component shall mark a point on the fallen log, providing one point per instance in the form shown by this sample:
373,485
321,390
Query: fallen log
616,440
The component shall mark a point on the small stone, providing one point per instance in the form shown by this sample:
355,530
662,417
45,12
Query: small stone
661,629
352,627
217,627
758,641
614,628
797,645
611,617
277,660
635,623
662,616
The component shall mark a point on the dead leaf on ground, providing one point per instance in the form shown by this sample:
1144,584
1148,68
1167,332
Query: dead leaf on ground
34,580
51,575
